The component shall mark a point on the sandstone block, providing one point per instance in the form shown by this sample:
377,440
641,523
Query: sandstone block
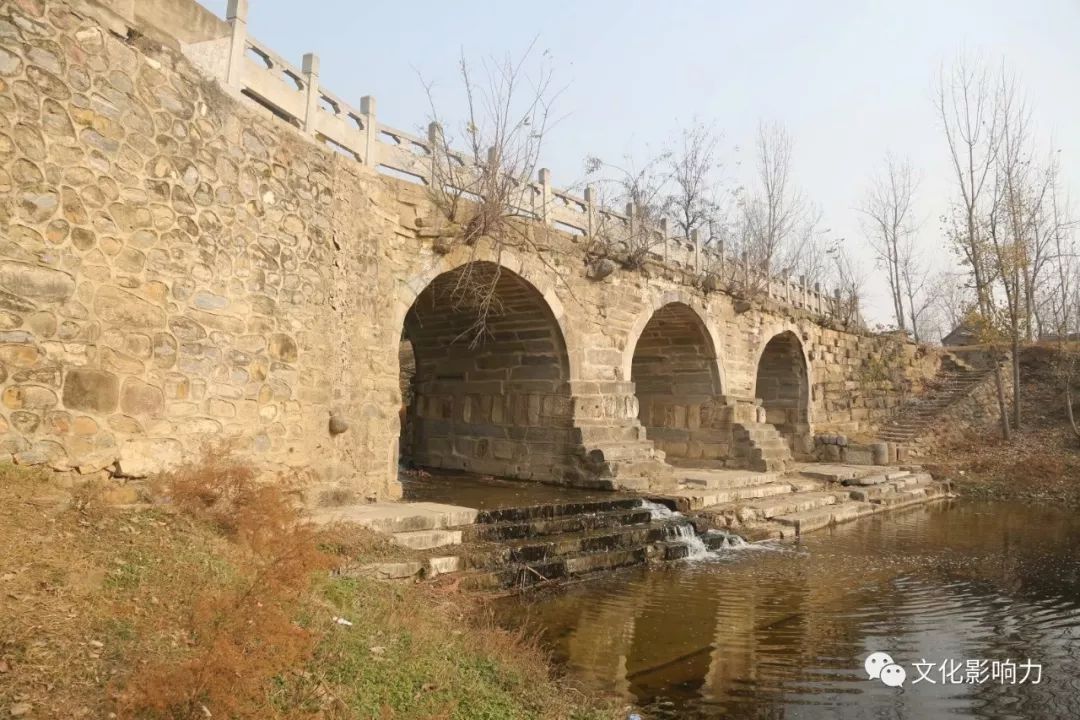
91,390
28,397
282,348
139,398
35,283
126,310
142,457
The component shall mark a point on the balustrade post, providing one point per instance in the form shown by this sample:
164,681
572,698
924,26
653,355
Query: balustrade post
371,128
545,195
236,15
439,151
311,80
590,210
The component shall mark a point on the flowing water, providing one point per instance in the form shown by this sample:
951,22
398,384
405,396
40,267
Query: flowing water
782,630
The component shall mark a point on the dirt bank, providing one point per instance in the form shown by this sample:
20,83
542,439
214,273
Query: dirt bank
1041,462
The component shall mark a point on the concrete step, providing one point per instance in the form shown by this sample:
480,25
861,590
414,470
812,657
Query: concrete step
722,479
698,498
427,539
814,519
912,495
748,492
392,517
768,508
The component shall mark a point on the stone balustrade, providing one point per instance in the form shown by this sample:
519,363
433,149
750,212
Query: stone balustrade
294,95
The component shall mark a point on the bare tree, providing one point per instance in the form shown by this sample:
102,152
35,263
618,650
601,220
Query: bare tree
487,189
970,122
849,280
1064,298
774,231
643,189
889,224
776,222
693,170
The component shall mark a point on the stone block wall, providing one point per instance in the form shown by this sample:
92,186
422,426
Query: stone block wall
166,261
178,265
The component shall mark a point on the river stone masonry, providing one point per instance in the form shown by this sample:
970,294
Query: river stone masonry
179,265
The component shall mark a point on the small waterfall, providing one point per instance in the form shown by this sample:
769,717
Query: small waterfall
680,530
658,511
730,540
686,534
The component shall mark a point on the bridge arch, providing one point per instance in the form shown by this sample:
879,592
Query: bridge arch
491,396
782,385
533,272
677,378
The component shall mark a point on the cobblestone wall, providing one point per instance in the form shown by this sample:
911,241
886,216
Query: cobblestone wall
177,266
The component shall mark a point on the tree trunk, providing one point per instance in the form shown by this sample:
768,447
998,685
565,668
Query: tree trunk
1069,408
1069,399
1016,381
1003,410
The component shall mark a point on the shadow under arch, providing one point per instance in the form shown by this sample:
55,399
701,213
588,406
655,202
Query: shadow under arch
677,381
782,384
491,388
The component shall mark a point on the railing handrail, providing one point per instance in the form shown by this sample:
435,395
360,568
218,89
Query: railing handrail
412,156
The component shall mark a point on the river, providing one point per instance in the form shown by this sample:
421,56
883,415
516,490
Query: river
780,630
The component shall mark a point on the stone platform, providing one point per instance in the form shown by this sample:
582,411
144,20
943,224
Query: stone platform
810,497
505,534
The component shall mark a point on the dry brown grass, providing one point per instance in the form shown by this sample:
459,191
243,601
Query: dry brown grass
213,601
240,634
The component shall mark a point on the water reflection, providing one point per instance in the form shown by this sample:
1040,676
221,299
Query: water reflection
762,634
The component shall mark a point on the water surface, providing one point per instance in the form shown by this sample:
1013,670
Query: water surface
782,631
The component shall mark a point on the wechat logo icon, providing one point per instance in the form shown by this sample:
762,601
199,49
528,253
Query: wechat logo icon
880,666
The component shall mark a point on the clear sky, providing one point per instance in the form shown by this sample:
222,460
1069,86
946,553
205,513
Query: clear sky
850,80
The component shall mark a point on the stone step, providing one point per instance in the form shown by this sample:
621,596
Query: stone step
722,479
493,556
749,492
393,517
830,472
913,495
530,574
695,499
768,508
865,480
542,527
769,464
635,484
873,492
814,519
628,450
553,510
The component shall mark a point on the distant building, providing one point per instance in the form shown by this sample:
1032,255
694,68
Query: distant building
962,334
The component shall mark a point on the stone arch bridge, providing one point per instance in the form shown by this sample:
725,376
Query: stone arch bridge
199,241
